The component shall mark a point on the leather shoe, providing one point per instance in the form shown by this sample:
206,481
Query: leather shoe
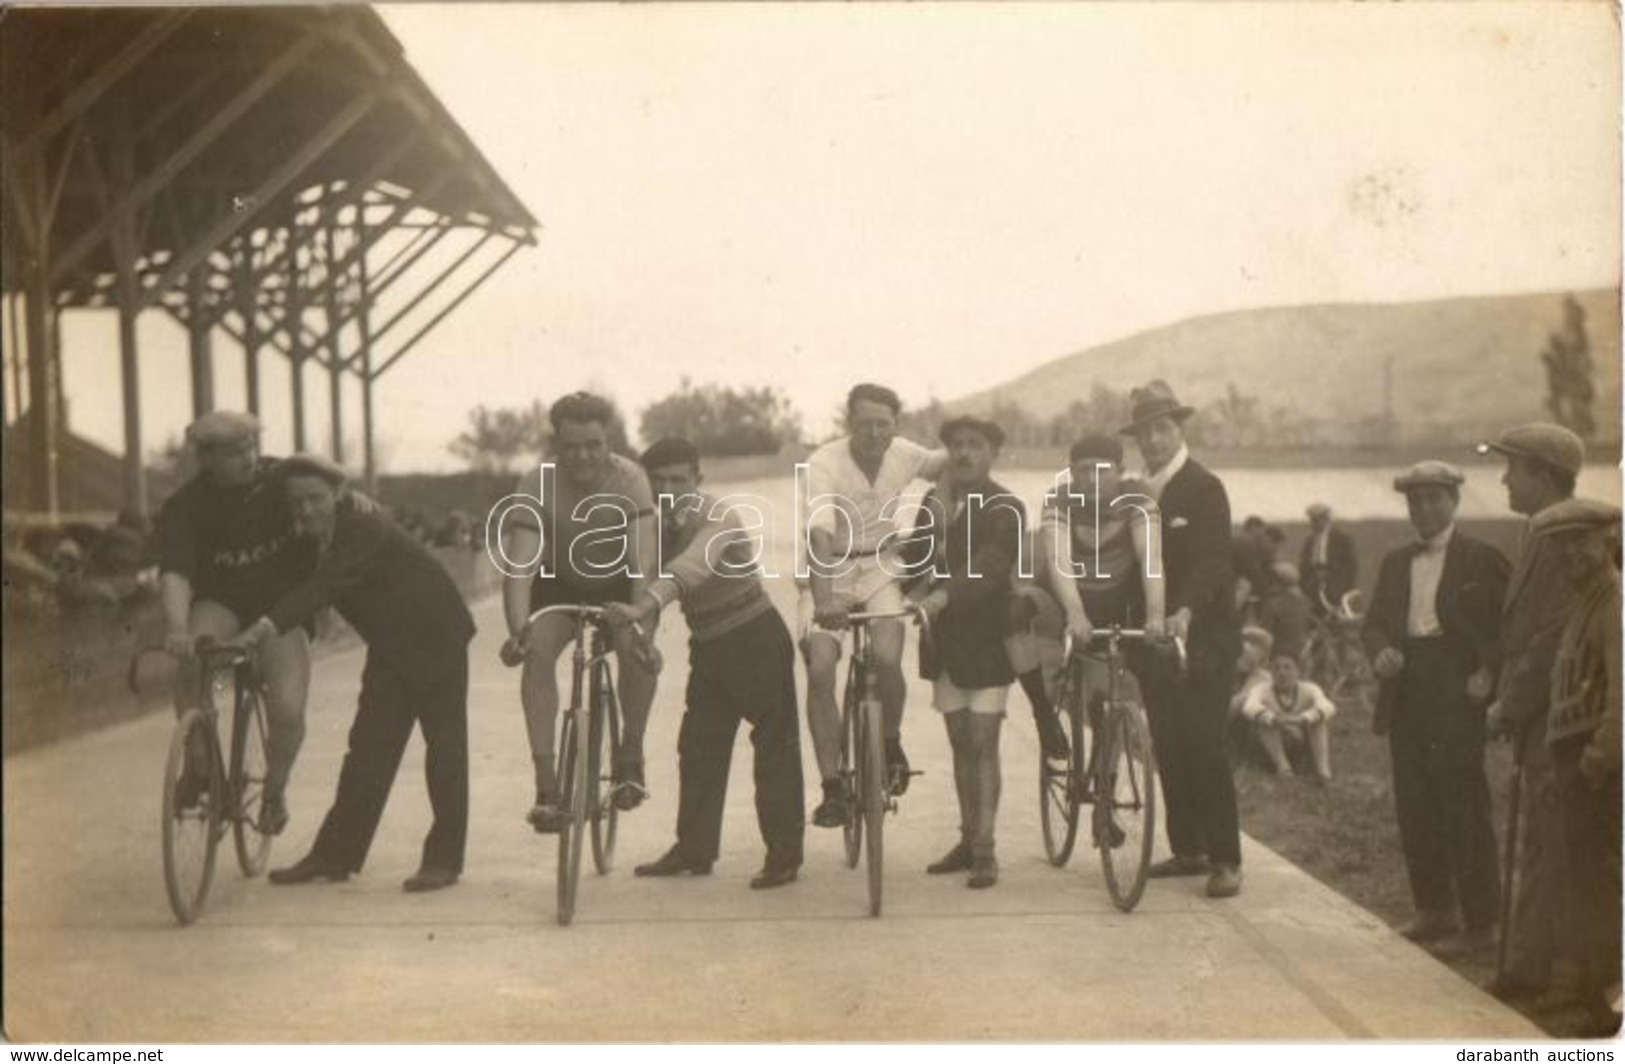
629,789
673,863
1429,927
1178,865
957,859
984,872
1224,882
273,815
308,868
770,877
831,812
429,878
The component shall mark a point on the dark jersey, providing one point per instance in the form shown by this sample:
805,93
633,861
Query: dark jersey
236,544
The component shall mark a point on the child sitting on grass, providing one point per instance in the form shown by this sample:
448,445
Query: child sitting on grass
1291,712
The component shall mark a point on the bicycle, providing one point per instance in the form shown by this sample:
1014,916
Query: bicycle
1116,773
869,792
589,736
1333,656
201,800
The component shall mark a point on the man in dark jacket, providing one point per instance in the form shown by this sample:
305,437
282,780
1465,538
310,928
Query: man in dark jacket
1327,564
401,601
1188,711
1433,634
975,534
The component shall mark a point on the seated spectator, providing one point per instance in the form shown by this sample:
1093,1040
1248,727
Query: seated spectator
1286,612
1289,712
1253,667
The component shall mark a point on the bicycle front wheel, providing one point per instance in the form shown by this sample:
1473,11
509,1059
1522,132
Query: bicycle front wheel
606,740
873,787
248,771
849,771
192,804
1060,787
572,783
1126,802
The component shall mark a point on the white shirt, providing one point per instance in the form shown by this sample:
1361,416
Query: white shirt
833,476
1427,566
1317,553
1155,482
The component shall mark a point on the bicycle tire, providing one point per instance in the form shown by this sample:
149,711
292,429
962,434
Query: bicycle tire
572,779
191,833
606,740
1126,797
874,786
848,771
1060,790
248,774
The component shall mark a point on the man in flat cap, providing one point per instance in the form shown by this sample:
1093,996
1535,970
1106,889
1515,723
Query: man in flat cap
1543,461
1189,711
1433,636
401,601
226,554
1583,732
974,544
1327,565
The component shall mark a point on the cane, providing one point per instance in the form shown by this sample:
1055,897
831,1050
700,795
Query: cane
1508,876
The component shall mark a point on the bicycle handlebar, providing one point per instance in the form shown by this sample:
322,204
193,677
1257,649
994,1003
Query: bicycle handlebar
1133,634
579,612
911,610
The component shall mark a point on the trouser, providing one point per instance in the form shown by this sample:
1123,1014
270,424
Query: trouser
1591,844
1441,797
1188,716
747,674
391,702
1539,946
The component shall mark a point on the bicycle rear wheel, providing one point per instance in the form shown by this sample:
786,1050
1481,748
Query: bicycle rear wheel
606,740
248,770
191,814
572,783
873,788
849,770
1060,787
1125,802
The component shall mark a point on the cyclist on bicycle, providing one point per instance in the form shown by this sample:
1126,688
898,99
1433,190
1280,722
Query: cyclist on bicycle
1101,535
226,554
596,544
851,565
972,527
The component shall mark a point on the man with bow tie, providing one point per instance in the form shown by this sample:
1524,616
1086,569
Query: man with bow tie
1433,634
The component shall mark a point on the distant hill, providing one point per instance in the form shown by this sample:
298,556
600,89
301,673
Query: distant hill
1460,367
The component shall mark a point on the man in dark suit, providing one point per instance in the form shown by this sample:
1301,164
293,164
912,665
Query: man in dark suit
401,601
1327,564
1433,633
1188,712
970,531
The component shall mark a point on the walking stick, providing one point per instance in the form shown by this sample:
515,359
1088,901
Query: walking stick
1508,875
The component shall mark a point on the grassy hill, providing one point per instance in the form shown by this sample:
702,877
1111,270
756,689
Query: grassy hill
1459,367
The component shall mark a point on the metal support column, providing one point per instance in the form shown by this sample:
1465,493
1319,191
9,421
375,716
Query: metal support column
198,344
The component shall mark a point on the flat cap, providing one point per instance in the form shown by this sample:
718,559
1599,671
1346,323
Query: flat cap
222,428
1318,509
1258,637
313,465
1575,515
983,427
1544,442
1430,472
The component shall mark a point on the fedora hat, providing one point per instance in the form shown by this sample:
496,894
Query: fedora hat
989,431
1147,404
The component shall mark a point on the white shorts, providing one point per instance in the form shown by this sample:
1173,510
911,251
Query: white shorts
864,587
949,697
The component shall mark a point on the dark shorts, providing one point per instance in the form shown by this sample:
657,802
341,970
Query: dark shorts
553,591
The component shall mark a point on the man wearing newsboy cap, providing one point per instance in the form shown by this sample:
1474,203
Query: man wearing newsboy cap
1433,634
1543,461
1189,712
226,552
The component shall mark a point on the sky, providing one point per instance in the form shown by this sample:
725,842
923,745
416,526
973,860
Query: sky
944,197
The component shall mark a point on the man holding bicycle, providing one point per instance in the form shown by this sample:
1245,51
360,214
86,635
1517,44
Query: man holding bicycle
972,527
227,553
741,668
851,566
590,539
